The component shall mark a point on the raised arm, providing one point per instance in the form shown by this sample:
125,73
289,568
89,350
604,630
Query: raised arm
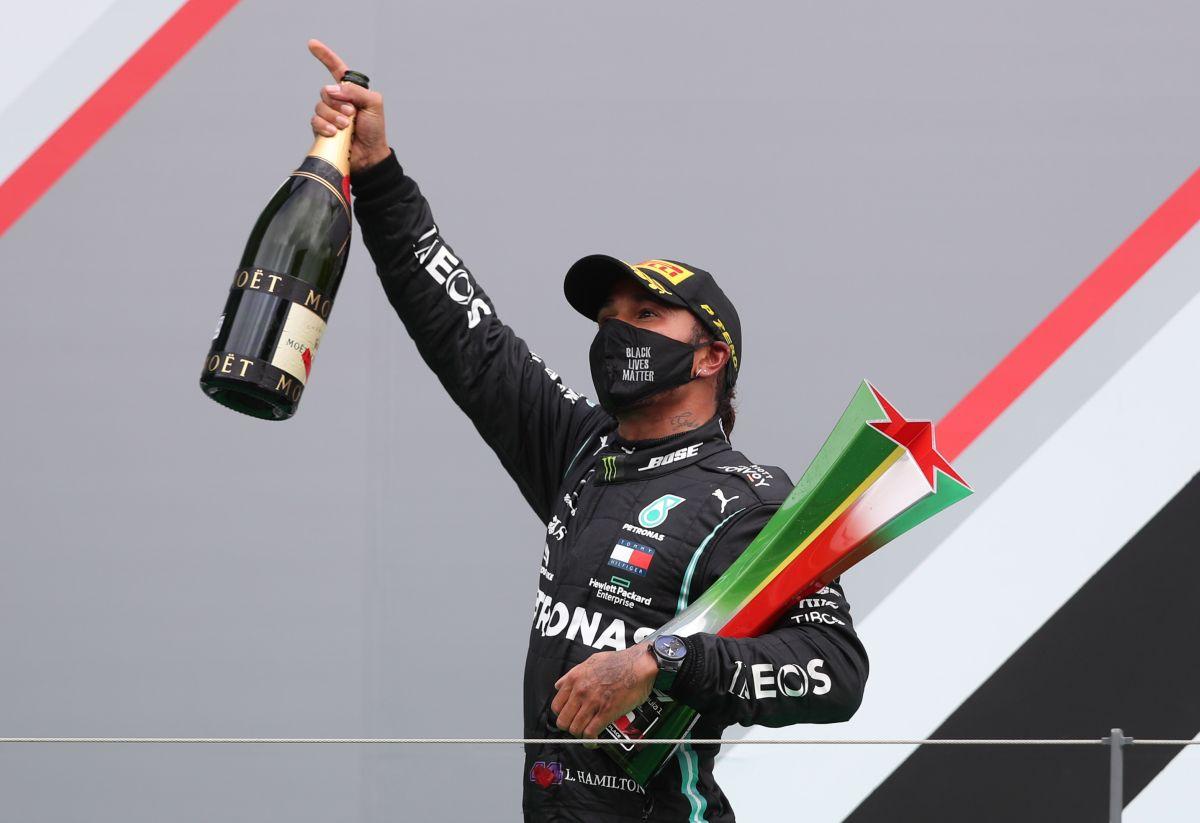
533,422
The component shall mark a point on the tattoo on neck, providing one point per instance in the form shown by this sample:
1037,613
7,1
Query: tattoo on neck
683,421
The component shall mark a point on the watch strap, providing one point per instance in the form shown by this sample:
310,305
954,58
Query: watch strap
668,670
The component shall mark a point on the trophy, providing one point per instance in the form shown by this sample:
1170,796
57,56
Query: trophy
876,476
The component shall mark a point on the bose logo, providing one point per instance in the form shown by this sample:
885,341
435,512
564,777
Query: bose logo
678,454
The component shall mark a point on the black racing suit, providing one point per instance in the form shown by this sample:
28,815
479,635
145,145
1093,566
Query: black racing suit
634,531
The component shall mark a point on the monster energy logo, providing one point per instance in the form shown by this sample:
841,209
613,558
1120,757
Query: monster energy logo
610,466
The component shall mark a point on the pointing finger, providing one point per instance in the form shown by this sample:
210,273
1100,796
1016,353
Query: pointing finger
328,58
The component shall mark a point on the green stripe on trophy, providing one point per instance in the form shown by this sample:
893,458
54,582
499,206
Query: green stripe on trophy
877,475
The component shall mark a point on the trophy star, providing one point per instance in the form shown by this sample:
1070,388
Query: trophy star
917,437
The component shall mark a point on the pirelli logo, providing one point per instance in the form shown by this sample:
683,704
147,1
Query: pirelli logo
725,335
657,287
654,272
673,273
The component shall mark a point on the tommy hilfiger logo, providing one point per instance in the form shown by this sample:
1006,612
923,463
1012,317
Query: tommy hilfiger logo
631,557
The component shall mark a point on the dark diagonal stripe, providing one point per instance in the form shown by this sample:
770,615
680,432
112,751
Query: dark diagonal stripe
1121,652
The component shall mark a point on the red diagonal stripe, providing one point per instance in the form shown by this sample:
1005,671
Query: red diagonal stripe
957,430
1070,319
119,93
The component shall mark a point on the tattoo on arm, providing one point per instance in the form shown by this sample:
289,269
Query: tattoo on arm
615,672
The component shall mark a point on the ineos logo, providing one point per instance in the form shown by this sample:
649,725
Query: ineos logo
445,268
460,297
763,680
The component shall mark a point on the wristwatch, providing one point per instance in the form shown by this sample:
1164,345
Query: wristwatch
669,652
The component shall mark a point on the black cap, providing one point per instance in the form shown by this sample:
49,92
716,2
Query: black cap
589,283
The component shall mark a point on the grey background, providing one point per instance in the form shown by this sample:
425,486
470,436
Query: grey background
896,191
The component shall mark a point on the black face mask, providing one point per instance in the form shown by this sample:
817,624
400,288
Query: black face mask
630,364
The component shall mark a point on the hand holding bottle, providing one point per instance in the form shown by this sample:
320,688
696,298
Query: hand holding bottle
342,103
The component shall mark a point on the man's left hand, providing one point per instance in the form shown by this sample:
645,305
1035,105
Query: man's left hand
602,688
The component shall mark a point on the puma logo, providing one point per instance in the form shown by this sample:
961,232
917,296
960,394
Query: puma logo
725,501
603,445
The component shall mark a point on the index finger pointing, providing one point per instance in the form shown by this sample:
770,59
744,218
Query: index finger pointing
328,58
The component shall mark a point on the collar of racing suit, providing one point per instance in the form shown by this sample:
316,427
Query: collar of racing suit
625,460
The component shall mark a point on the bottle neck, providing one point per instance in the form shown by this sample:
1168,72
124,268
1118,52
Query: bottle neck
335,150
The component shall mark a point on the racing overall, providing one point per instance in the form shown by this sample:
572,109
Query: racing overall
634,531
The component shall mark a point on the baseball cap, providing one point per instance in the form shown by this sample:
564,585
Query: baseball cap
589,282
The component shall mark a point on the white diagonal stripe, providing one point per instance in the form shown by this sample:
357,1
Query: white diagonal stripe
998,577
67,50
1171,796
47,31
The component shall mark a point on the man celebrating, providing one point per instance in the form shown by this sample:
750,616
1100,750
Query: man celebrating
644,500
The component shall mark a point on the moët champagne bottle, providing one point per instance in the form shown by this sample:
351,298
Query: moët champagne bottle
265,341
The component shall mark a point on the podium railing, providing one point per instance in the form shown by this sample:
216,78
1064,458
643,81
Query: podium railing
1117,741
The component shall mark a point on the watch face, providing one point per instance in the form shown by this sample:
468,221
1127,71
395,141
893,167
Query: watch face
670,647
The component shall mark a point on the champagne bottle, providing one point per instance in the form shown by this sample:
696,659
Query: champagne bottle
283,290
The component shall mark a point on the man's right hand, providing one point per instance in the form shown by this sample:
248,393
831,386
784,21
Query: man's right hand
342,101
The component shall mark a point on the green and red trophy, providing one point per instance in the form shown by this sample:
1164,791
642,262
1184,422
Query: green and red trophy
876,476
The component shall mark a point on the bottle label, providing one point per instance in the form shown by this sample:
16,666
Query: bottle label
234,366
284,285
298,342
304,324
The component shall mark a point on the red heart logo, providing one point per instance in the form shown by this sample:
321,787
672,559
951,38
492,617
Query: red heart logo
542,775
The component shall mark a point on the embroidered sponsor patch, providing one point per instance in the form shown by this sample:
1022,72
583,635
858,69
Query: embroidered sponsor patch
631,557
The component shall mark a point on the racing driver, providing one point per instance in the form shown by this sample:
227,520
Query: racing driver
645,502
